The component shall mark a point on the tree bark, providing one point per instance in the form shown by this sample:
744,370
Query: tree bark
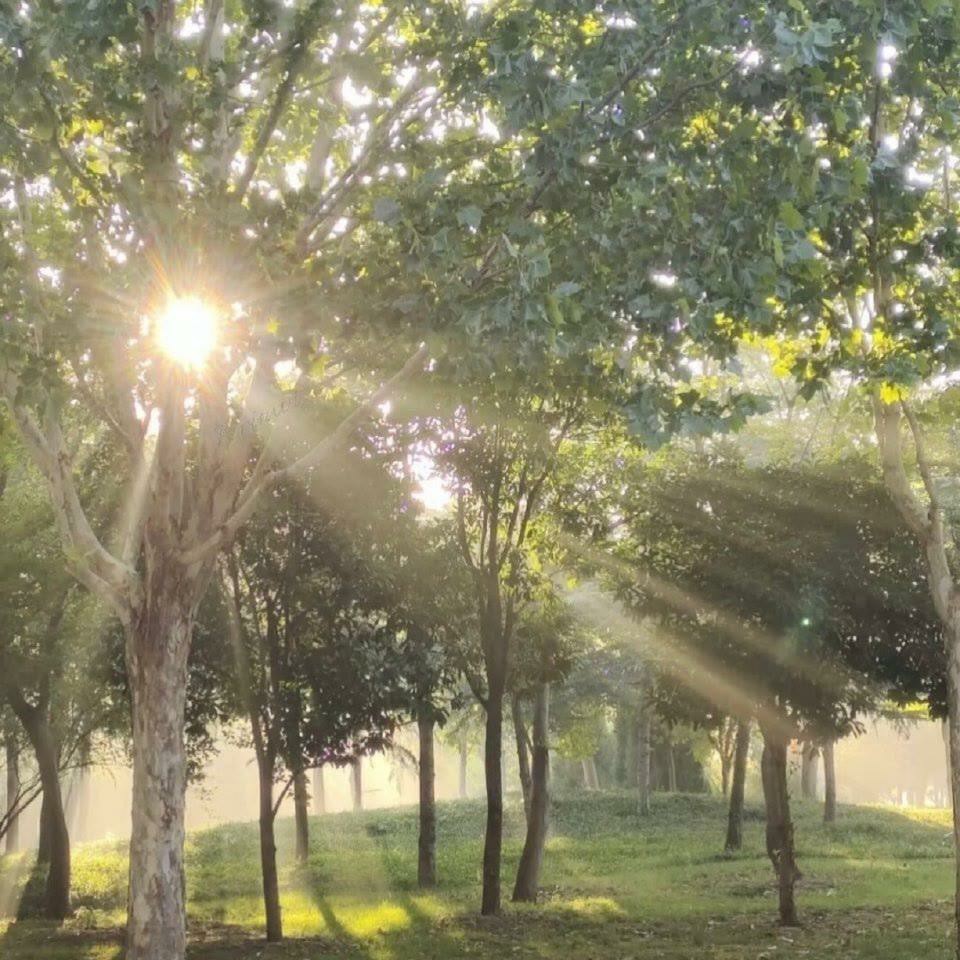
671,769
157,648
493,772
427,841
464,756
531,860
43,832
734,839
12,840
808,771
356,783
319,792
622,733
780,846
268,852
953,705
523,753
590,779
54,846
643,761
945,731
301,809
829,783
724,776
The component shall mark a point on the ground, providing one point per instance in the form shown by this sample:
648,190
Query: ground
877,885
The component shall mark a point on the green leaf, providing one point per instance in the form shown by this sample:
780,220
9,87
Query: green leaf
386,210
790,216
470,216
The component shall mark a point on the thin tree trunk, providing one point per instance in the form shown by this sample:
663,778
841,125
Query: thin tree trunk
632,766
427,842
54,846
319,791
157,652
780,846
356,783
945,732
724,775
12,840
734,839
953,706
44,849
808,771
57,892
531,860
829,783
268,853
643,761
590,779
523,753
622,733
671,769
493,771
301,808
464,756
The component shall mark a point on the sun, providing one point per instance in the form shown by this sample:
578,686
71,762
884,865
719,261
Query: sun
186,331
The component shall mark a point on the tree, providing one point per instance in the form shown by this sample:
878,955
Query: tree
547,644
499,470
55,675
734,839
854,239
162,162
320,663
765,602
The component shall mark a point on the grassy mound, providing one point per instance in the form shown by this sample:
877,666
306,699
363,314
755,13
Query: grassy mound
877,884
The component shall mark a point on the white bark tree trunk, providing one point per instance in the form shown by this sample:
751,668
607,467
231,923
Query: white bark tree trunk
158,645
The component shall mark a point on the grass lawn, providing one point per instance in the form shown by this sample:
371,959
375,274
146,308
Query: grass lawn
878,884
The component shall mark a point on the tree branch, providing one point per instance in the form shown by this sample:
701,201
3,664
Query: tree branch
270,477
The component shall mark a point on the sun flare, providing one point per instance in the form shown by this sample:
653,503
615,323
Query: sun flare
187,331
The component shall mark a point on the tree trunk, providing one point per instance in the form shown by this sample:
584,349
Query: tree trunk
780,847
44,849
356,783
12,840
643,761
671,769
464,756
268,853
427,842
724,775
301,808
953,705
493,771
945,731
531,860
808,771
53,852
57,891
622,733
523,753
319,792
590,779
157,649
734,839
829,783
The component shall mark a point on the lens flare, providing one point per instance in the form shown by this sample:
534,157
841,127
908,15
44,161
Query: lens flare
186,331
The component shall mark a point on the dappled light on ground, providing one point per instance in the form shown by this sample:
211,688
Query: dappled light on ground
615,886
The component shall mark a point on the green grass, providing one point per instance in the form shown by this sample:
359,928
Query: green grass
878,884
